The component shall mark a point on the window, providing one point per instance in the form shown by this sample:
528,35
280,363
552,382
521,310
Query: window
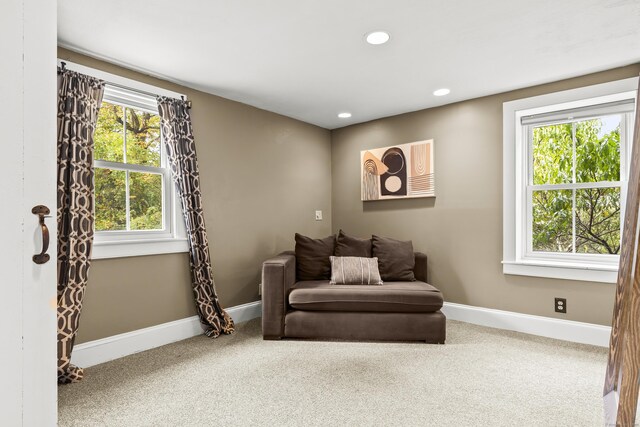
136,209
565,172
131,180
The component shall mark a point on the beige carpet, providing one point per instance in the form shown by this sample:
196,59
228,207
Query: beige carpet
481,377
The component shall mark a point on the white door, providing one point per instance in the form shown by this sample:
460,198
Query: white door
28,390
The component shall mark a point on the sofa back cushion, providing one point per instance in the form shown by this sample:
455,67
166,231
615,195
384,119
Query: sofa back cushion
351,270
352,246
312,257
395,258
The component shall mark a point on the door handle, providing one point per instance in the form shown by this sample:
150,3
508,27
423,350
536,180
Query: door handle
42,211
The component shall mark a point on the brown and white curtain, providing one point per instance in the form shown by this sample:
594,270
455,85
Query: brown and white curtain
79,99
181,153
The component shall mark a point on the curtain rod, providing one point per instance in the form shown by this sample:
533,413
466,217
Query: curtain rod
63,68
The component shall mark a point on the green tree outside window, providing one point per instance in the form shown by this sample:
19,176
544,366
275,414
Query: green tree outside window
134,140
586,151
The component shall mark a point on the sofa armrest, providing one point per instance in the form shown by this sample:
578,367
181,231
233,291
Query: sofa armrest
420,268
278,276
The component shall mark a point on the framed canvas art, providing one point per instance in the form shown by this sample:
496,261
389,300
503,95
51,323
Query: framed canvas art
397,172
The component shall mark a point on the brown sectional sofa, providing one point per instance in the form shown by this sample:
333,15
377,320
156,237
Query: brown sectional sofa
396,311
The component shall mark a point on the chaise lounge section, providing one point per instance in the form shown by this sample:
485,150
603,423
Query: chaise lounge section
393,311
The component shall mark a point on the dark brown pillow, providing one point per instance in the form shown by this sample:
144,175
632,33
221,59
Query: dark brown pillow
395,259
312,257
352,246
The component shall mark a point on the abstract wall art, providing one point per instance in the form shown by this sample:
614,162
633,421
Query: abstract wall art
399,171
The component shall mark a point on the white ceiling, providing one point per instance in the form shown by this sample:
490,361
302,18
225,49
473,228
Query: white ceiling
307,59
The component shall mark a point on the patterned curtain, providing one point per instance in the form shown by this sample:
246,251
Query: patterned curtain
79,99
181,153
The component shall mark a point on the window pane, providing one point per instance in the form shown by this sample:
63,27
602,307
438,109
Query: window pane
598,220
552,154
598,149
108,140
143,138
552,221
145,201
111,197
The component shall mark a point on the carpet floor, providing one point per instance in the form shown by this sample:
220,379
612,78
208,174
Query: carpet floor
480,377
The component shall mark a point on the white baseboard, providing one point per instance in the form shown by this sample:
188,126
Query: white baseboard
567,330
110,348
245,312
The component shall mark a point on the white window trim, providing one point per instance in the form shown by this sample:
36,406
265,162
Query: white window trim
149,242
514,156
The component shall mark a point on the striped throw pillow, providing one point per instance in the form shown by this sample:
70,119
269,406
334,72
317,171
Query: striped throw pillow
351,270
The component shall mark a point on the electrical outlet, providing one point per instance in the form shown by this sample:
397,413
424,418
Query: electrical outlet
561,305
318,215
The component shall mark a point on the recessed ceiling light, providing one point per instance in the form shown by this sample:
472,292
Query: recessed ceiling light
441,92
377,37
344,115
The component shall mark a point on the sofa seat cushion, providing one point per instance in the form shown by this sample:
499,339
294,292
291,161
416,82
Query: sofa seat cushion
393,297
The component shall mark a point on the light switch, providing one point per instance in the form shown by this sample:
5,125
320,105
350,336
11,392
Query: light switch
318,215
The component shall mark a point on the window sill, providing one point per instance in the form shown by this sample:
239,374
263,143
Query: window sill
132,248
567,271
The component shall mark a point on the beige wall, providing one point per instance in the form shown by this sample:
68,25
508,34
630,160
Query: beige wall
461,229
262,176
